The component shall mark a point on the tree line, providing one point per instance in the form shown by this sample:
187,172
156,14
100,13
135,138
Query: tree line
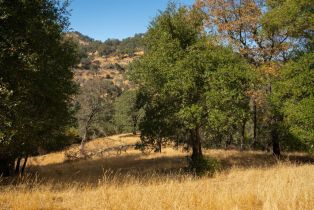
128,46
229,73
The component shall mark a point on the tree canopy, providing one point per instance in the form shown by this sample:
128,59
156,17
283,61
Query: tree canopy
188,84
36,78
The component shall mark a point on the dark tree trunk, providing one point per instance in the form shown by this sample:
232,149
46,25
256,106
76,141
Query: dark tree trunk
220,141
196,144
177,142
134,128
24,165
134,119
159,145
6,166
229,141
17,167
254,124
274,132
243,134
275,141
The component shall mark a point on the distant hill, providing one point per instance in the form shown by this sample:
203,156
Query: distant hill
108,60
127,46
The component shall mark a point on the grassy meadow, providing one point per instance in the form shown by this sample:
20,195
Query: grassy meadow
132,180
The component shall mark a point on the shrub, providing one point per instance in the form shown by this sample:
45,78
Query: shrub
119,67
109,66
86,63
204,166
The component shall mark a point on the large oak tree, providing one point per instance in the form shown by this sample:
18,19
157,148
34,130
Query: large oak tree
188,84
35,78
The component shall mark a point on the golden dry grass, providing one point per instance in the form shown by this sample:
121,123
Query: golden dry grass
250,180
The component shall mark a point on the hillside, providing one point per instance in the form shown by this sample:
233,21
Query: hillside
102,77
106,60
132,180
110,67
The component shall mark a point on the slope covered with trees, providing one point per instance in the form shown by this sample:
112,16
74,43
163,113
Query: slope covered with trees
102,77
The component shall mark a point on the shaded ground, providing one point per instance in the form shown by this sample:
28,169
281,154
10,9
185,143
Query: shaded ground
138,165
54,168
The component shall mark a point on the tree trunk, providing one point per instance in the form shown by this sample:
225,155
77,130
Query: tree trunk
229,141
254,124
17,167
159,145
243,134
24,165
196,144
274,132
134,119
6,166
82,146
134,128
275,141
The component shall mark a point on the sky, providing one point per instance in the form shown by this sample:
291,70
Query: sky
103,19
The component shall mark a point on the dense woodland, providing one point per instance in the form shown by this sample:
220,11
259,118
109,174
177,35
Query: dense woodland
223,73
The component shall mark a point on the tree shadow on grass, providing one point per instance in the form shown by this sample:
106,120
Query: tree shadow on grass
263,160
95,170
141,168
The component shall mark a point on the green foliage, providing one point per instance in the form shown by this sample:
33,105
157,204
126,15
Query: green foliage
294,16
185,79
109,47
36,63
130,45
155,72
95,103
294,98
127,112
6,109
127,46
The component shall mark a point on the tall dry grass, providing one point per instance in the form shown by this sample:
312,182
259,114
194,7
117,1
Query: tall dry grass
250,180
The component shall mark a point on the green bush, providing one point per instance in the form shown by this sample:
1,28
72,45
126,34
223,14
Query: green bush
204,166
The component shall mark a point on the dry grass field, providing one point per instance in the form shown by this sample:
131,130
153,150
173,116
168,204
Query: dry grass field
132,180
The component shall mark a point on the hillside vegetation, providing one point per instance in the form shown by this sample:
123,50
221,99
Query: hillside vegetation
107,60
102,77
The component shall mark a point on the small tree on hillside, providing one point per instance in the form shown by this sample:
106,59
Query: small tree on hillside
127,112
95,106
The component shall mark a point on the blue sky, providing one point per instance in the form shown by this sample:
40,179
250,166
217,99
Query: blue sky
103,19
